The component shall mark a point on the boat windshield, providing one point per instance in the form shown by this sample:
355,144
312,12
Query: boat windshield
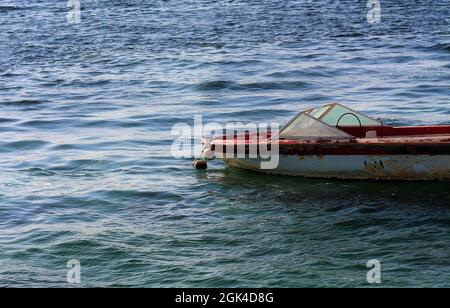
338,115
324,122
305,126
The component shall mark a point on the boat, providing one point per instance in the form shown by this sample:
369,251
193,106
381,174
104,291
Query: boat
334,141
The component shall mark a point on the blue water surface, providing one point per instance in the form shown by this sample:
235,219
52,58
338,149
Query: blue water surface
86,170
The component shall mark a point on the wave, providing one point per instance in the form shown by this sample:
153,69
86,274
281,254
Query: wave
120,194
8,8
24,145
7,120
314,72
38,172
440,47
25,102
229,85
215,85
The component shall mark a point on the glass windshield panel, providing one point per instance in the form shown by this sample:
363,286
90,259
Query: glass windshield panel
305,126
347,117
317,113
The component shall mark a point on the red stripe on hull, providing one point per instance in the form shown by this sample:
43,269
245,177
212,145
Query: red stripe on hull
387,146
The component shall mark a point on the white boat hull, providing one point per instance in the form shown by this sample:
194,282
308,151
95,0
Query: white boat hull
395,167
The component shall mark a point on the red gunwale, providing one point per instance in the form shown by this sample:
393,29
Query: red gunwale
410,140
390,131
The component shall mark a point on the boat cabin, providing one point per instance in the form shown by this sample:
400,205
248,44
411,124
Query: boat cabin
335,121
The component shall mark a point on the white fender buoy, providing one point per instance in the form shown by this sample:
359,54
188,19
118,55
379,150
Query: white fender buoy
209,154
